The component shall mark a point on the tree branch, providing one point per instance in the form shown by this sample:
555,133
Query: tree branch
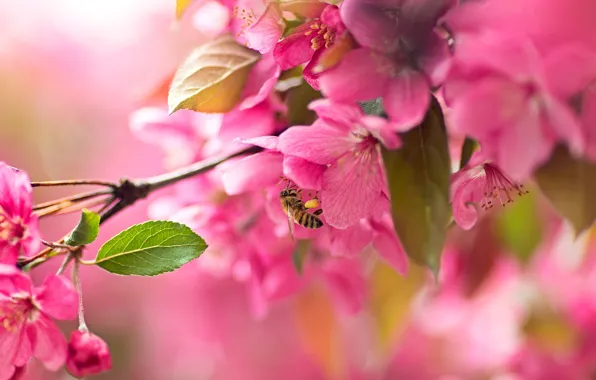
130,191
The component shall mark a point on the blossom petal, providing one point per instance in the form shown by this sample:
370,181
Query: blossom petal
253,172
57,298
372,23
10,343
569,69
344,83
346,284
567,125
466,195
388,245
296,48
339,115
406,100
265,142
49,345
12,281
266,31
351,188
382,130
351,241
318,143
305,174
261,81
247,123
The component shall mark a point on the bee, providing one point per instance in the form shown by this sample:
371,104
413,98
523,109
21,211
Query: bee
297,211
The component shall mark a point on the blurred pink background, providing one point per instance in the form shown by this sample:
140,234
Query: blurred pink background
71,73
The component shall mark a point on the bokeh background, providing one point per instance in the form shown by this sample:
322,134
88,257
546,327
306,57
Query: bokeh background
514,300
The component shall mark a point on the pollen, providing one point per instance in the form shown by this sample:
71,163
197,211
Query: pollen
247,16
323,35
499,188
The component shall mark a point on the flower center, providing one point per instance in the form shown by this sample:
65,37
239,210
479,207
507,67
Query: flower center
499,187
11,230
247,16
14,313
322,34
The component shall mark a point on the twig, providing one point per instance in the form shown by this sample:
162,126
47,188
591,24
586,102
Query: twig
74,182
72,198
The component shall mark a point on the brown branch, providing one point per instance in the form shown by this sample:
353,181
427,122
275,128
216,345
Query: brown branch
74,182
72,198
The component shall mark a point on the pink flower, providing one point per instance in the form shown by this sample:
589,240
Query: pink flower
507,96
261,24
400,56
25,326
88,354
308,42
480,183
18,226
343,140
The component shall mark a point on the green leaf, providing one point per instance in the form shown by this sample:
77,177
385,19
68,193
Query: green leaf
467,150
519,227
299,255
298,98
211,79
150,248
570,184
418,178
86,231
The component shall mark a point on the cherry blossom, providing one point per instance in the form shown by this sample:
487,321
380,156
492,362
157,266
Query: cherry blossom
88,354
400,57
26,328
18,225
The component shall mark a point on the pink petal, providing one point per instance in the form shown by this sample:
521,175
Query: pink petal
305,174
332,18
351,189
387,244
252,173
372,23
247,123
382,130
57,298
12,281
265,142
566,124
266,31
466,193
346,284
351,241
339,115
15,192
49,344
9,253
261,81
10,343
406,99
344,82
512,153
569,70
492,104
296,48
318,143
281,280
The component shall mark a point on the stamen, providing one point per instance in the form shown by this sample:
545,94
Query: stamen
499,187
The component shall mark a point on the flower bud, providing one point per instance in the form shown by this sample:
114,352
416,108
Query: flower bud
88,354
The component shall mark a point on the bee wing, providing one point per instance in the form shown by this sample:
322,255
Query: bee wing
290,224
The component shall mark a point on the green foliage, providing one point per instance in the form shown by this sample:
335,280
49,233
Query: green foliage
86,231
298,98
150,248
467,150
211,79
299,255
418,178
570,184
519,227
